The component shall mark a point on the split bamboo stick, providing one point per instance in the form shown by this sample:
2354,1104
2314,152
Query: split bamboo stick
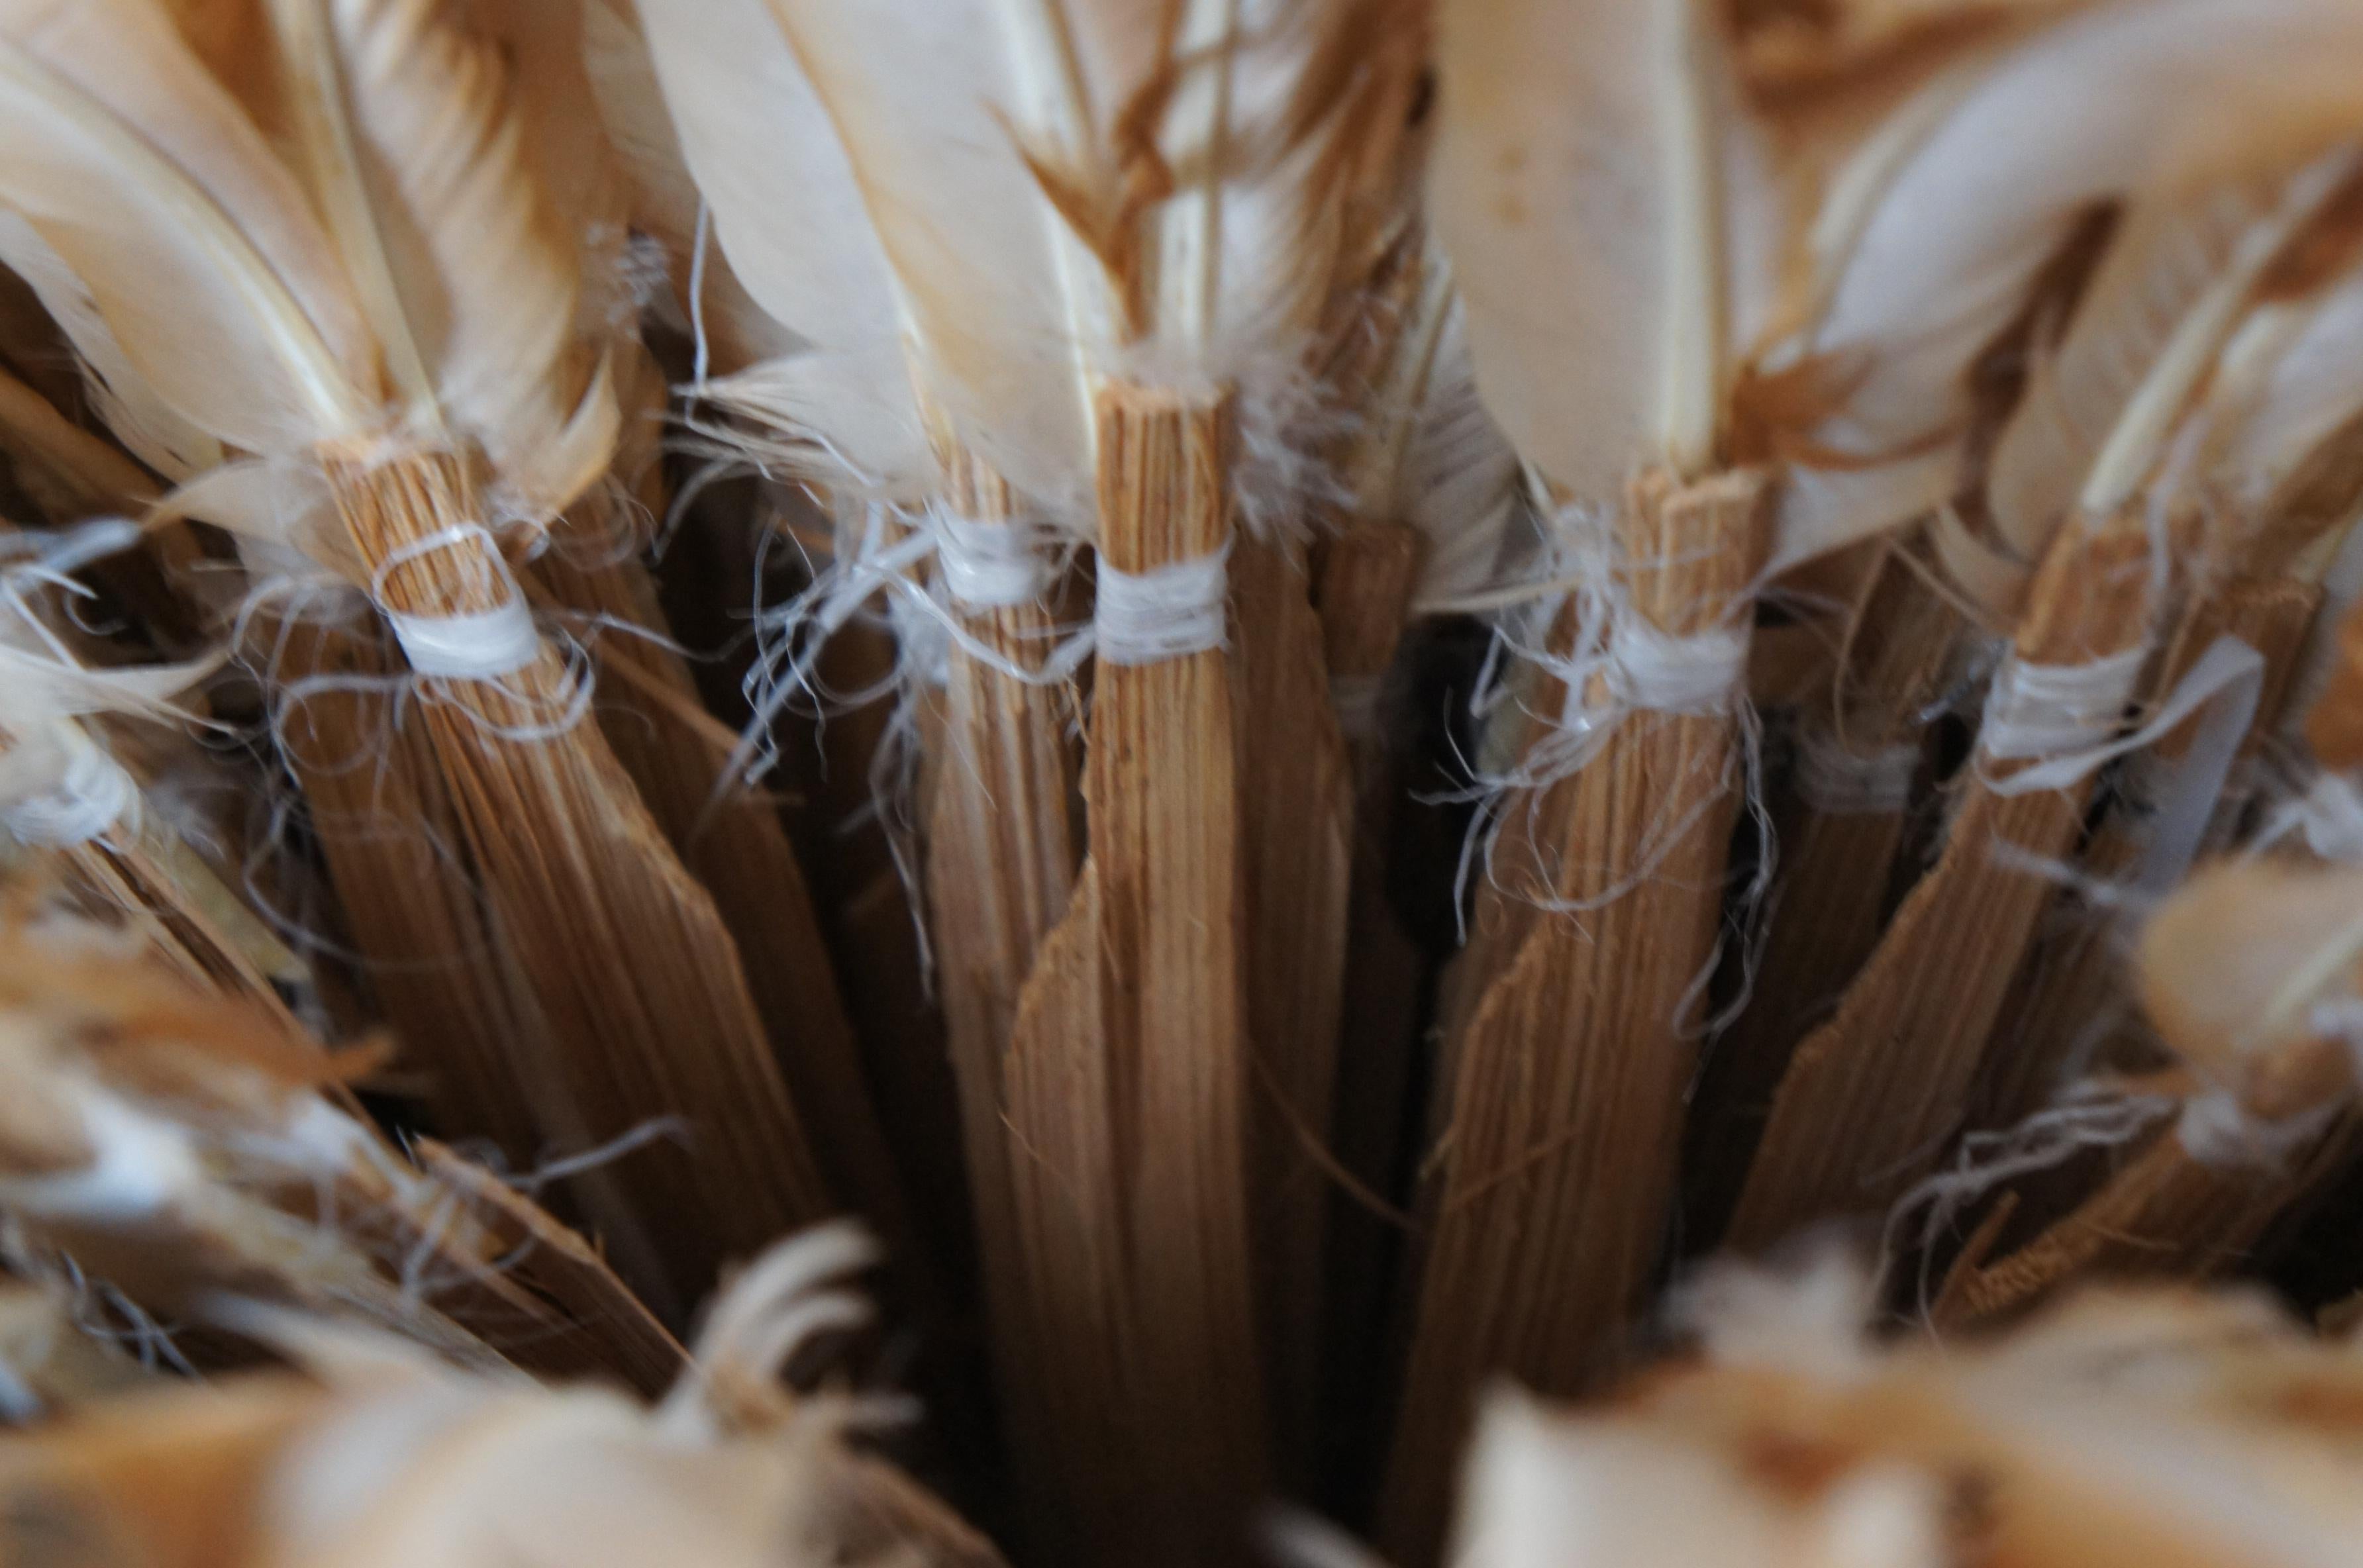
1871,1096
1005,842
1365,578
727,833
2062,1012
617,944
1129,1078
1296,800
1572,1045
2243,973
1840,853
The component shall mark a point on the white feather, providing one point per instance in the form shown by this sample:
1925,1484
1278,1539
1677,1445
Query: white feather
157,436
2128,96
790,217
218,286
1583,181
2311,388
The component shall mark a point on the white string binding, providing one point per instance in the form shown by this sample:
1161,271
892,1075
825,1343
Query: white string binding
2060,718
1619,663
480,645
1836,780
2056,716
1646,671
991,566
2217,1131
1167,612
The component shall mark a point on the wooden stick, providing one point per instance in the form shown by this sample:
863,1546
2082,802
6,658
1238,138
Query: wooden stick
2165,1214
1295,792
1871,1096
1836,869
729,836
620,951
1005,842
595,1326
1128,1074
2064,996
1572,1052
1366,576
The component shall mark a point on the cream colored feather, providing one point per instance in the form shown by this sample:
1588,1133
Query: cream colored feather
443,189
1958,216
1607,206
1457,478
732,331
2179,275
401,276
789,214
847,219
2292,380
123,400
141,174
1017,199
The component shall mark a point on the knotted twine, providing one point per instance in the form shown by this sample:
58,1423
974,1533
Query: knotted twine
1618,665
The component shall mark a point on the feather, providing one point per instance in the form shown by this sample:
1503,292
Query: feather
2178,272
139,171
2220,1001
790,217
1461,483
123,401
940,112
732,330
1589,179
621,80
2306,387
1962,212
275,321
486,278
1017,199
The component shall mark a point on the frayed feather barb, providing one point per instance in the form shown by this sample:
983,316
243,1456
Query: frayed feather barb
2327,818
59,787
785,1299
85,792
2086,1116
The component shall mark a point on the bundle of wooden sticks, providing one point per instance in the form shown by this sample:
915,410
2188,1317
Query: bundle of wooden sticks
794,781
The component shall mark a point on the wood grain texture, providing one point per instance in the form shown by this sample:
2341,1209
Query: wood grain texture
1005,842
622,954
728,834
1296,798
1128,1079
1870,1099
1835,870
1574,1039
